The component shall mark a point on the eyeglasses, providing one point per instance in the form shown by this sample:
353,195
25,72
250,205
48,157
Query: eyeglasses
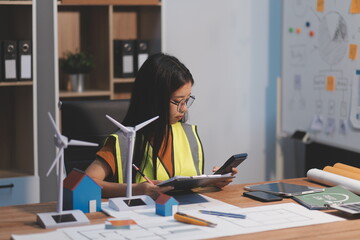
185,102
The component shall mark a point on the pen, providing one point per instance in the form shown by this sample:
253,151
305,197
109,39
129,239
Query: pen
182,217
146,178
223,214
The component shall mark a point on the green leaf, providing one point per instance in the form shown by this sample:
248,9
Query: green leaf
78,62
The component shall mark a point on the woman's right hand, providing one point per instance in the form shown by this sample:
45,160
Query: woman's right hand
149,189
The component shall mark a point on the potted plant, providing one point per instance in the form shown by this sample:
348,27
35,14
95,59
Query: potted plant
76,64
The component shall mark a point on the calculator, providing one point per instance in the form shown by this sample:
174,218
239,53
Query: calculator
352,208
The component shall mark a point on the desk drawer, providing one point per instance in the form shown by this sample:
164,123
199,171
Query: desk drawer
19,190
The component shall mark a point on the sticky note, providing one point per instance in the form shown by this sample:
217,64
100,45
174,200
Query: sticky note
320,5
355,6
353,51
330,83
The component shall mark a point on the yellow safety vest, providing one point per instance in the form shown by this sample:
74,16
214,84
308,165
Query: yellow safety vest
187,155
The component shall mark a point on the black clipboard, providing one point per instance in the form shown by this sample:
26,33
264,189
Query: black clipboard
189,182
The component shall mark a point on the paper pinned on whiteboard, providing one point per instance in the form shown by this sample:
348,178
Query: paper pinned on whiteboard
317,123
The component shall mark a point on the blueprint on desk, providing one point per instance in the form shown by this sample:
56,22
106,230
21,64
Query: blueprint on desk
151,226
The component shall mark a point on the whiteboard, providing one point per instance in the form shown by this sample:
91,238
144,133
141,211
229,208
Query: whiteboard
320,81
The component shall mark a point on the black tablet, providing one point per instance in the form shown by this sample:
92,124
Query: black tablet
262,196
283,189
189,182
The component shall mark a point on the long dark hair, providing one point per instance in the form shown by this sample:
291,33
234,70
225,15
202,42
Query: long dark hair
156,80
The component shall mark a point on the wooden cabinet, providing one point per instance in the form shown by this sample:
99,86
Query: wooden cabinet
18,164
91,27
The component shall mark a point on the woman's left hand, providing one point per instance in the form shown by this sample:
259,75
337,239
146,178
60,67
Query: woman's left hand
226,181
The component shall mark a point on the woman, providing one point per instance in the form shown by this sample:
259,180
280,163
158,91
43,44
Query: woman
162,88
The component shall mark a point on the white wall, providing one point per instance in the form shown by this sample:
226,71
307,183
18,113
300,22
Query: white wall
225,44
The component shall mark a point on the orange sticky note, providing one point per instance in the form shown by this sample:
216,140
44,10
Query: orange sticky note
320,5
355,6
330,83
353,51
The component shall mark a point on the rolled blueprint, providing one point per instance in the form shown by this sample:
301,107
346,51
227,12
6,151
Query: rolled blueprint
347,167
331,179
342,172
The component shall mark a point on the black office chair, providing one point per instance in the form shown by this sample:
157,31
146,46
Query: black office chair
85,120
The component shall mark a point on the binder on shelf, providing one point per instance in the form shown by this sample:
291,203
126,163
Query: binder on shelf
24,60
8,61
124,65
142,52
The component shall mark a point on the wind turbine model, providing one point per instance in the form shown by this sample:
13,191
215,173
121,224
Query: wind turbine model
130,202
62,218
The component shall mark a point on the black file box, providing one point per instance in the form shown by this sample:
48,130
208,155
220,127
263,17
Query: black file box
8,60
24,60
142,53
124,61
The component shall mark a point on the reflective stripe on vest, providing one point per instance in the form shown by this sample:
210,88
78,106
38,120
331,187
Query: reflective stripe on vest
187,155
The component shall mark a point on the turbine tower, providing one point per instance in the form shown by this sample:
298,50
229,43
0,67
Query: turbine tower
60,217
130,201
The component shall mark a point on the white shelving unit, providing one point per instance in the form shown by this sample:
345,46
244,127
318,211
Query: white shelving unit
19,178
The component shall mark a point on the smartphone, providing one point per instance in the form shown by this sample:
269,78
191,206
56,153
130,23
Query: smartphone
233,161
262,196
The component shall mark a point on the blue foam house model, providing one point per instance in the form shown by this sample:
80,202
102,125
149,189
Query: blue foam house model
166,205
81,192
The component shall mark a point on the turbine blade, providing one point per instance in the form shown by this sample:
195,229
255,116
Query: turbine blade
74,142
122,127
58,134
141,125
54,163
